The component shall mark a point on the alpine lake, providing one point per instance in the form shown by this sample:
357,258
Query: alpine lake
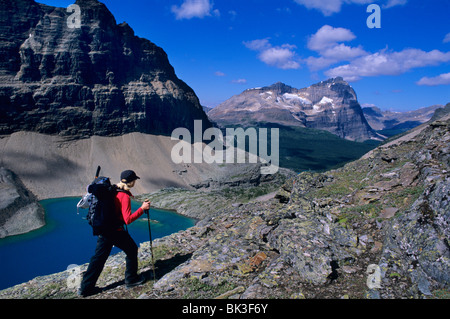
67,239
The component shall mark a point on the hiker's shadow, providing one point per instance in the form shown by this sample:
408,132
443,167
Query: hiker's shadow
162,267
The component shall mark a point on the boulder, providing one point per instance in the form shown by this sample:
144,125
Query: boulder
20,212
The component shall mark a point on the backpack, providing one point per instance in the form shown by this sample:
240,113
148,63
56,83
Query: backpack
100,202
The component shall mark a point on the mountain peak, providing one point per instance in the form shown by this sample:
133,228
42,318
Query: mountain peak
88,2
329,105
279,88
330,81
108,79
338,79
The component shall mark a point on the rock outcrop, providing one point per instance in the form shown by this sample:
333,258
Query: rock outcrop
20,212
99,79
330,105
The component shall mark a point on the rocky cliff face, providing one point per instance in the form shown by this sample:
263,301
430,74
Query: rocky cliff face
99,79
330,105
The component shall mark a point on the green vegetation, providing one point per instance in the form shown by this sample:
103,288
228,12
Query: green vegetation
306,149
197,289
345,181
245,194
441,294
350,214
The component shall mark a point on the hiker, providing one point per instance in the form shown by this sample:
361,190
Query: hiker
118,237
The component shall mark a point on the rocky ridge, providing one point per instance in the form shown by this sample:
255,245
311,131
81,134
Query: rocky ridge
330,105
20,211
241,185
99,79
376,228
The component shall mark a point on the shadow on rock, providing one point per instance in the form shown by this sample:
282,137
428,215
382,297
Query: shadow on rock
162,267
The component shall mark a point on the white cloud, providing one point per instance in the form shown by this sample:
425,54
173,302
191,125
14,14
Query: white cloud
258,45
233,14
325,42
282,57
334,55
329,7
327,36
342,52
219,73
194,9
319,63
447,38
360,63
393,3
443,79
388,63
239,81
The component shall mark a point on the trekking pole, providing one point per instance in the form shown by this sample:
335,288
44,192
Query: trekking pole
98,172
151,242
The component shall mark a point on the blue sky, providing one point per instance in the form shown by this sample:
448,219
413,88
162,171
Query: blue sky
222,47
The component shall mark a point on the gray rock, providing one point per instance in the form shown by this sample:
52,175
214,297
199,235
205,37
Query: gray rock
373,294
419,240
99,79
20,212
312,252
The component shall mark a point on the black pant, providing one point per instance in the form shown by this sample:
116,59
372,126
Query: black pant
105,242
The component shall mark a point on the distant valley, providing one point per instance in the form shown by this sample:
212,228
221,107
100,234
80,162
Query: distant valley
390,123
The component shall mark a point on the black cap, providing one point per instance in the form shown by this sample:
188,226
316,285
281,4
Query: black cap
128,176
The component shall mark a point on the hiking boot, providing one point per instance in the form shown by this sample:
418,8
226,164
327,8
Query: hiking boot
138,281
89,292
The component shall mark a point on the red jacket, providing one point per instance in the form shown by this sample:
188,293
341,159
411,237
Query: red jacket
123,207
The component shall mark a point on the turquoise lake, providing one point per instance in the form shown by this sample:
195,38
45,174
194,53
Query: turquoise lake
67,239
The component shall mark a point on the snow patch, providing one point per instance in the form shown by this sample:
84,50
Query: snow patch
326,100
268,95
289,96
316,108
